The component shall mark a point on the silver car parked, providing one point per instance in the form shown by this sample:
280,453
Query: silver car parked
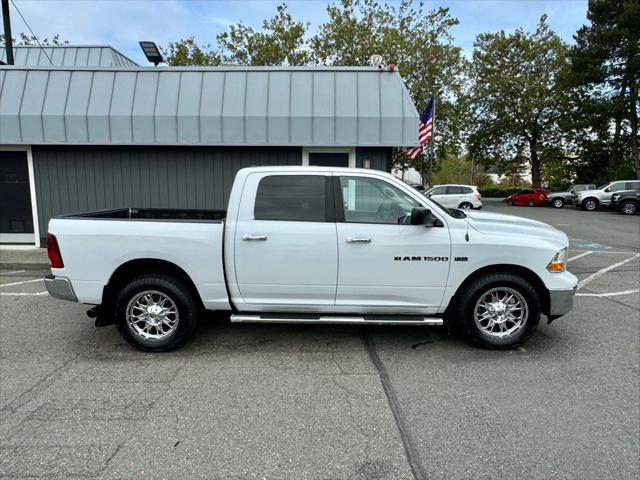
560,199
601,197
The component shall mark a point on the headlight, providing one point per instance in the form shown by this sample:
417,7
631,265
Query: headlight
558,263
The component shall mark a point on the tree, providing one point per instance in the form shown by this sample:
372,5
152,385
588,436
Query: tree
605,73
281,41
515,97
26,39
187,52
418,41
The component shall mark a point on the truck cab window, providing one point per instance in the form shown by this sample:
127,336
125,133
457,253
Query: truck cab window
295,198
370,200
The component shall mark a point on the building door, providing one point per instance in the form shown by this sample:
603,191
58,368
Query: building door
16,218
328,159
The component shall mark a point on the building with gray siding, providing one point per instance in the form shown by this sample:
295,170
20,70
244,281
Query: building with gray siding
85,136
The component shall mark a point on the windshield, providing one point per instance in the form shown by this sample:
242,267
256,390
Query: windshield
604,186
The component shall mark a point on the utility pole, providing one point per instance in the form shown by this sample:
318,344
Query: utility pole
8,39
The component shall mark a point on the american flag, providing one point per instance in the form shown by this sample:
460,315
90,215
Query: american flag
425,130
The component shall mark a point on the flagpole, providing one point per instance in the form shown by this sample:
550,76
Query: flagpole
433,138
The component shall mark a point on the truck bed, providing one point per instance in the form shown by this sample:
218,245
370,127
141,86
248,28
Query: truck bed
168,214
95,244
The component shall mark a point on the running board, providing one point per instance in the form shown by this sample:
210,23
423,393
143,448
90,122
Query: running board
342,319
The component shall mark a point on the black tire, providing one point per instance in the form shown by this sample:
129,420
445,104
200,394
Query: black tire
463,313
629,207
589,204
557,203
465,206
177,292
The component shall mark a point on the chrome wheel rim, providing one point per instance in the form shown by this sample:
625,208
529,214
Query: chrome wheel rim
465,206
590,205
629,208
557,203
500,312
152,315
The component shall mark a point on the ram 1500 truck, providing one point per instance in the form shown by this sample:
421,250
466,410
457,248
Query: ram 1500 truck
312,245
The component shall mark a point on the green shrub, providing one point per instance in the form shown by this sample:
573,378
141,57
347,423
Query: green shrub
497,192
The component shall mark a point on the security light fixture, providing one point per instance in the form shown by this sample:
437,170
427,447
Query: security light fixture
152,52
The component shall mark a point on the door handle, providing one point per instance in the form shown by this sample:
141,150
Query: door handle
254,237
358,240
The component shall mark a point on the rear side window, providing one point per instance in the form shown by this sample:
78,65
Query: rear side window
632,186
454,190
467,189
294,198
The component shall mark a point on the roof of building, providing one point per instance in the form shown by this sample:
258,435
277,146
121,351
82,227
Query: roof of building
68,55
265,106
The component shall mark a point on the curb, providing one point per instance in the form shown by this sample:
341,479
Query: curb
23,266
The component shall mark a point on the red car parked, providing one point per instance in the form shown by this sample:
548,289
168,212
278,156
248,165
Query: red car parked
537,196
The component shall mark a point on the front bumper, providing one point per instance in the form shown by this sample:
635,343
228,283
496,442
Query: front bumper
60,287
561,302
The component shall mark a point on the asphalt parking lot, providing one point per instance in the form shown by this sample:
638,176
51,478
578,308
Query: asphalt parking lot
333,402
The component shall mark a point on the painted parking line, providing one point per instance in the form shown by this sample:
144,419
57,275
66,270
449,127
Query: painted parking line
604,270
21,294
6,274
21,283
610,294
583,254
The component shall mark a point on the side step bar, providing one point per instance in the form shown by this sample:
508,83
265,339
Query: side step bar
342,319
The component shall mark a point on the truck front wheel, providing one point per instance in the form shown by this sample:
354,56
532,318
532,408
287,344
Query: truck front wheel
155,312
498,311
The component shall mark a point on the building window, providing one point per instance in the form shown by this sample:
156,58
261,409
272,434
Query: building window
329,157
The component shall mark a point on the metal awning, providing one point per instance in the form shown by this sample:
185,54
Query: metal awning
68,55
258,106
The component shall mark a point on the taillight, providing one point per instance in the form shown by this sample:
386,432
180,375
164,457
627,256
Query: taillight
478,196
53,251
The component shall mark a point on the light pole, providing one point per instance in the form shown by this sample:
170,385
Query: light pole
8,39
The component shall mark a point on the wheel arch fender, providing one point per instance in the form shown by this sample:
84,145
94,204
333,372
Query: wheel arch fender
524,272
136,268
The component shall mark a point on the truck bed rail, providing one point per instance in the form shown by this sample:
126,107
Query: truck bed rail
157,214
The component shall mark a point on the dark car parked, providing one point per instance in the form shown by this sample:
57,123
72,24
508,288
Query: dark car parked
559,199
628,201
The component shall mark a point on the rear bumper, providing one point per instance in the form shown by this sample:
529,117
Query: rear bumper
60,287
561,302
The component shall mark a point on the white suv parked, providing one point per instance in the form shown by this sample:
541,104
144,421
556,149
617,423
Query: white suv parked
456,196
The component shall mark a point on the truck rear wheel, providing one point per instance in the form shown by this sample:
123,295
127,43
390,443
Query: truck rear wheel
156,312
498,311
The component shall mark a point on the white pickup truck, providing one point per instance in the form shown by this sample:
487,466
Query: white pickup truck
312,245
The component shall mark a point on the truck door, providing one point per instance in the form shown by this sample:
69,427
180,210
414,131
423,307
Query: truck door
385,264
285,240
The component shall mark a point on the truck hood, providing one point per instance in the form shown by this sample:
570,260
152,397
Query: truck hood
502,224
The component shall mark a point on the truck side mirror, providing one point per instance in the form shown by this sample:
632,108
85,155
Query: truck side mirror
423,216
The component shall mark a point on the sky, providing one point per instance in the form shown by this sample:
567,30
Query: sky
122,23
